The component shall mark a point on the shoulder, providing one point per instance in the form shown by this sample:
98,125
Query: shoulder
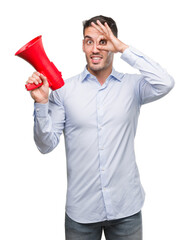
68,86
70,81
131,79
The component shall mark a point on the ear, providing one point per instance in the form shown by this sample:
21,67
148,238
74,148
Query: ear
83,45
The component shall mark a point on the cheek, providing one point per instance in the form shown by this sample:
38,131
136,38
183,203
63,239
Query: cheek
86,50
109,57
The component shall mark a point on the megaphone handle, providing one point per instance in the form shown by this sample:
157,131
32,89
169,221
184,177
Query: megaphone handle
32,86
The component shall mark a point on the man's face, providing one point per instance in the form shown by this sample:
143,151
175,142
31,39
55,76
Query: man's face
97,60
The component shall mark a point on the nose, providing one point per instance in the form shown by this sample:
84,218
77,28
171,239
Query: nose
95,49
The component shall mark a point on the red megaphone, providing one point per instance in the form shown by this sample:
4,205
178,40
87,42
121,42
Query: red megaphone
33,52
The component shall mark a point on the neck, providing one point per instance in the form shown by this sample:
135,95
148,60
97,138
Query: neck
101,75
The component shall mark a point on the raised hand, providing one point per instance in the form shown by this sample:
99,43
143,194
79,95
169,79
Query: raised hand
107,39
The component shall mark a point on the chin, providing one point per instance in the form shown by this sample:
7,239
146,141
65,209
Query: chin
96,68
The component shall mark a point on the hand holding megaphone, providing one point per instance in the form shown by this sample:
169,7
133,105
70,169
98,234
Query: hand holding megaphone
33,52
39,94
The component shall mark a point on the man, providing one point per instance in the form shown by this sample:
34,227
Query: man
98,111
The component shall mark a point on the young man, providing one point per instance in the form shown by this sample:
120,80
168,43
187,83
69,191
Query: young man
98,111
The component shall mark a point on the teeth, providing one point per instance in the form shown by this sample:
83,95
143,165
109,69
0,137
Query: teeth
96,58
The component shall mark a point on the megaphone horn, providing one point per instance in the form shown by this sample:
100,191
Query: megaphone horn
33,52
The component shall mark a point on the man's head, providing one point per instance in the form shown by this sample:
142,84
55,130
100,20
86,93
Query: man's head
111,23
97,60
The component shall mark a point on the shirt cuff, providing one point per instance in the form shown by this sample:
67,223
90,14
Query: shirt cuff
130,55
41,110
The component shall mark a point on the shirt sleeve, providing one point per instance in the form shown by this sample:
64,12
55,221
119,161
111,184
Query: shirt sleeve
155,81
49,122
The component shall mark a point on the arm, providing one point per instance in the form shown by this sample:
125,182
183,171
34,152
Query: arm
155,81
49,115
49,122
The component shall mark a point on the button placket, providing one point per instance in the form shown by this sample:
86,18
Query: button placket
100,119
102,160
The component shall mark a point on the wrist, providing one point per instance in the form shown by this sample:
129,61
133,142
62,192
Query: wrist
40,110
123,47
42,102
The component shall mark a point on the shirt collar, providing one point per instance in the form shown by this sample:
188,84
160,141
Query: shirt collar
115,75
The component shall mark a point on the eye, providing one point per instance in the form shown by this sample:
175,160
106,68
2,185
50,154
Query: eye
103,42
89,42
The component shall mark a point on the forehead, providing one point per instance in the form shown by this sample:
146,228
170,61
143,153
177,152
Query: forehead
91,32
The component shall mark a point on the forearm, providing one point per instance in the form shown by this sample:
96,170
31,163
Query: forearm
45,137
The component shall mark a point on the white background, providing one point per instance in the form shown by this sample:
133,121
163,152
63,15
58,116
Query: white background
32,185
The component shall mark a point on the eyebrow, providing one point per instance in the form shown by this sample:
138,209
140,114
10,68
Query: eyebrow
87,36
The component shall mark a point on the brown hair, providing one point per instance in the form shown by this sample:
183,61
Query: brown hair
111,23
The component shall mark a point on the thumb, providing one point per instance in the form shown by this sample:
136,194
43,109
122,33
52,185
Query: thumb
101,47
44,79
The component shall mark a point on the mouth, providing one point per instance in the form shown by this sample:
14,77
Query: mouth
96,59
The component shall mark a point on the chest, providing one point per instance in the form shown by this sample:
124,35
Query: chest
113,104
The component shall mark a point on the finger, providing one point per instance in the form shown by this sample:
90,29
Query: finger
36,76
108,28
101,40
103,28
37,73
102,47
97,27
29,81
34,80
44,79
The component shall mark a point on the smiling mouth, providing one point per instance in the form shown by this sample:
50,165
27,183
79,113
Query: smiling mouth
96,59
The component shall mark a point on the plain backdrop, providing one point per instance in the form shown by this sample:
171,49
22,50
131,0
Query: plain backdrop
33,185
